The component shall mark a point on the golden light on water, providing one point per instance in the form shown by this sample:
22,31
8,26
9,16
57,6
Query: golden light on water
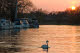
73,7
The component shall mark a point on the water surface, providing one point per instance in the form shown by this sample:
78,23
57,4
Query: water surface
62,39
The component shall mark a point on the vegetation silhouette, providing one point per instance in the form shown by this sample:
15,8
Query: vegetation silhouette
8,8
27,9
67,17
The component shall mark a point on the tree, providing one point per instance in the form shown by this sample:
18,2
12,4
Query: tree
24,6
8,7
74,15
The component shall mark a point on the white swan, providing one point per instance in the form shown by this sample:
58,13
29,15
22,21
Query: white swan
45,46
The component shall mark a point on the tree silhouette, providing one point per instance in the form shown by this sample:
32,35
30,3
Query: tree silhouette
8,7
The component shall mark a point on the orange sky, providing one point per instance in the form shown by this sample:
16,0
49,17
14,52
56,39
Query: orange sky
55,5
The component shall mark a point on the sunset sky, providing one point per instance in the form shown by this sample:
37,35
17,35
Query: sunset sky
55,5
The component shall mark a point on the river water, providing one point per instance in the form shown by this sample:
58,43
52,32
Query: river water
62,39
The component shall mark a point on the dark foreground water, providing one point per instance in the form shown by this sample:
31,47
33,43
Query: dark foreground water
62,39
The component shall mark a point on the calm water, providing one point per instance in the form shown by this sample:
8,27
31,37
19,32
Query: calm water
62,39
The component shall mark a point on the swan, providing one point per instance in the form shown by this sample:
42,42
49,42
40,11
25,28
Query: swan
45,46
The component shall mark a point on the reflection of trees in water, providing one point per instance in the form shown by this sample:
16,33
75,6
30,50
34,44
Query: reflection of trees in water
9,32
9,37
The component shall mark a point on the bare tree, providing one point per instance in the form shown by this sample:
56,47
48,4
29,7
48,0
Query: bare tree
8,7
24,6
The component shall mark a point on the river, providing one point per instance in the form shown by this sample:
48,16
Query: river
62,39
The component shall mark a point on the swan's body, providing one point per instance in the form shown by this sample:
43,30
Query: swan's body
45,46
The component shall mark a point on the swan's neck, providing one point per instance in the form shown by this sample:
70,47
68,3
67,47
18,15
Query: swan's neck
47,44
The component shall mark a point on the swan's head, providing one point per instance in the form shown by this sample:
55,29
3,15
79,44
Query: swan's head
47,41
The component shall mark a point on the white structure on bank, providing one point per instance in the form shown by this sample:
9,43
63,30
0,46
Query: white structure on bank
7,24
